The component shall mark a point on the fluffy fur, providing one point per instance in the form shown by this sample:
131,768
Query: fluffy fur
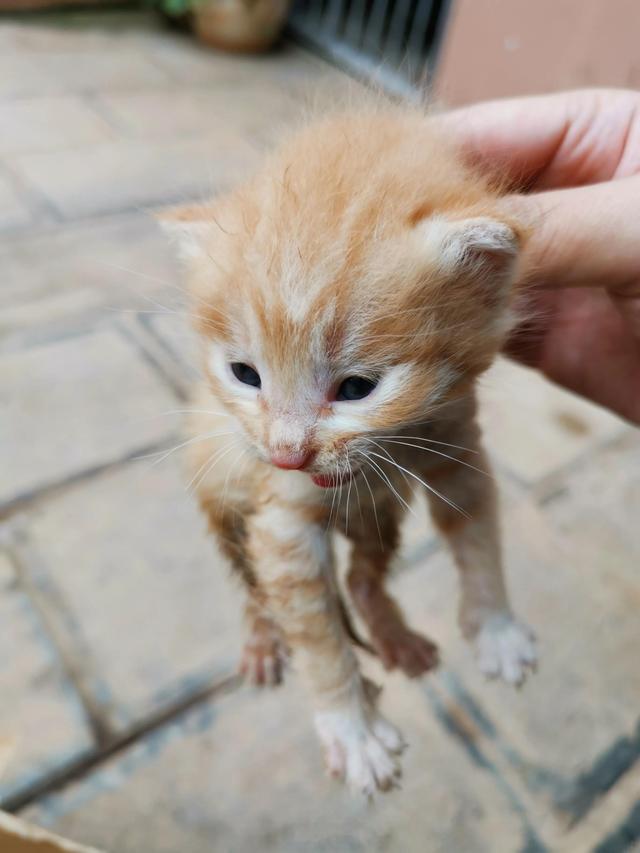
365,247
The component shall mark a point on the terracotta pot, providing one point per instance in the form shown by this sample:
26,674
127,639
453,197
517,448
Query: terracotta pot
248,26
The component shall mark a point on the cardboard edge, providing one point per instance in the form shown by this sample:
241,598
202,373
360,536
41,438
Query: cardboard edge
16,836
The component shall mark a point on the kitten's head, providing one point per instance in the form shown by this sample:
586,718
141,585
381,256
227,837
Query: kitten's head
355,287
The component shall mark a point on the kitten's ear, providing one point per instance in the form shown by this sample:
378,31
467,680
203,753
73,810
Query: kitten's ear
190,227
480,246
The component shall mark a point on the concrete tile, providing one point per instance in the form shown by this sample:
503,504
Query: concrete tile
17,323
122,175
15,209
46,124
80,30
125,262
244,773
534,428
139,596
602,498
25,75
73,405
41,718
190,63
576,720
247,107
612,824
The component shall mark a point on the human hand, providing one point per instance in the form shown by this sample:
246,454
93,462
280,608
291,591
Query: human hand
577,157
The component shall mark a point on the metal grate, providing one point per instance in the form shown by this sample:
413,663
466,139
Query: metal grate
392,41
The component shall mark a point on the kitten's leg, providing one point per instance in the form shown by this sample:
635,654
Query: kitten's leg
396,644
291,556
265,652
504,647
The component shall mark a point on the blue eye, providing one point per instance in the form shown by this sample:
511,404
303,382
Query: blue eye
246,374
355,388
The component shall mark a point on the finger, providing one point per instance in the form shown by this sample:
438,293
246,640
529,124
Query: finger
560,140
583,237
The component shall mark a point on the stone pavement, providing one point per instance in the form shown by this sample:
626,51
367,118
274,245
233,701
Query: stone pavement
120,718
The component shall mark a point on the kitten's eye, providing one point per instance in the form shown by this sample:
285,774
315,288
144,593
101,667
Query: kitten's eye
355,388
246,374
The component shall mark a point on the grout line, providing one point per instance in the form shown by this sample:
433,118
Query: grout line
98,727
143,348
119,744
20,502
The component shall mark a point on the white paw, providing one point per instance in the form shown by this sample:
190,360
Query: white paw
361,749
506,649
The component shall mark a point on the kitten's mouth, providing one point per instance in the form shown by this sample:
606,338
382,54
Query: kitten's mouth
332,481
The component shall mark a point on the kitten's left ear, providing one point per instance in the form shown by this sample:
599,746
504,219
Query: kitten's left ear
480,246
190,227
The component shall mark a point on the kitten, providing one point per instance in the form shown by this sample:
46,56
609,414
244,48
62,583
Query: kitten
346,300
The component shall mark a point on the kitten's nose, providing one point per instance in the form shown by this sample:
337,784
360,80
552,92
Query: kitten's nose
290,460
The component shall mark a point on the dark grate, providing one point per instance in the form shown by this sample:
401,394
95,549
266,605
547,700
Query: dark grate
394,41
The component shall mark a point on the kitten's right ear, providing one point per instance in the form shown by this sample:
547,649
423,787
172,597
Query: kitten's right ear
190,227
481,245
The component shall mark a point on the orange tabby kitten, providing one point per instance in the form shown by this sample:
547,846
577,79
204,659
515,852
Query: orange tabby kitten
347,298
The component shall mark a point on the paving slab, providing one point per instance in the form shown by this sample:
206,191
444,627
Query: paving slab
244,773
15,210
141,599
42,722
575,727
46,124
603,499
125,261
75,405
190,63
534,428
251,108
80,30
24,75
81,182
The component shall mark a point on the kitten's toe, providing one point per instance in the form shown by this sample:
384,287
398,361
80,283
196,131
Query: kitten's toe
263,662
362,752
506,649
401,648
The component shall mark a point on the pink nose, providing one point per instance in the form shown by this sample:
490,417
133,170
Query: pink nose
290,460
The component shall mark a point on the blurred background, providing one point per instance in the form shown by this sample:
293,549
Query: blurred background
122,724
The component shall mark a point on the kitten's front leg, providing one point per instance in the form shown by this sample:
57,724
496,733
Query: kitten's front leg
505,648
292,560
395,643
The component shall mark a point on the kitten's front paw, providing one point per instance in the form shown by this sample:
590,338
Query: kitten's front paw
506,649
364,752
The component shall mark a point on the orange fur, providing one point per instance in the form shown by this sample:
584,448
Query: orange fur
365,247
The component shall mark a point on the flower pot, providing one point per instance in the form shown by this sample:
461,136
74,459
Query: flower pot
247,26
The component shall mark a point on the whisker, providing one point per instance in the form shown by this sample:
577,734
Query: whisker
375,510
347,467
390,457
193,412
222,498
427,486
383,476
206,468
440,453
429,441
355,483
164,454
333,500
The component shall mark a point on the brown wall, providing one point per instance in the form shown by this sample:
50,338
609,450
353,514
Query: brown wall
494,48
